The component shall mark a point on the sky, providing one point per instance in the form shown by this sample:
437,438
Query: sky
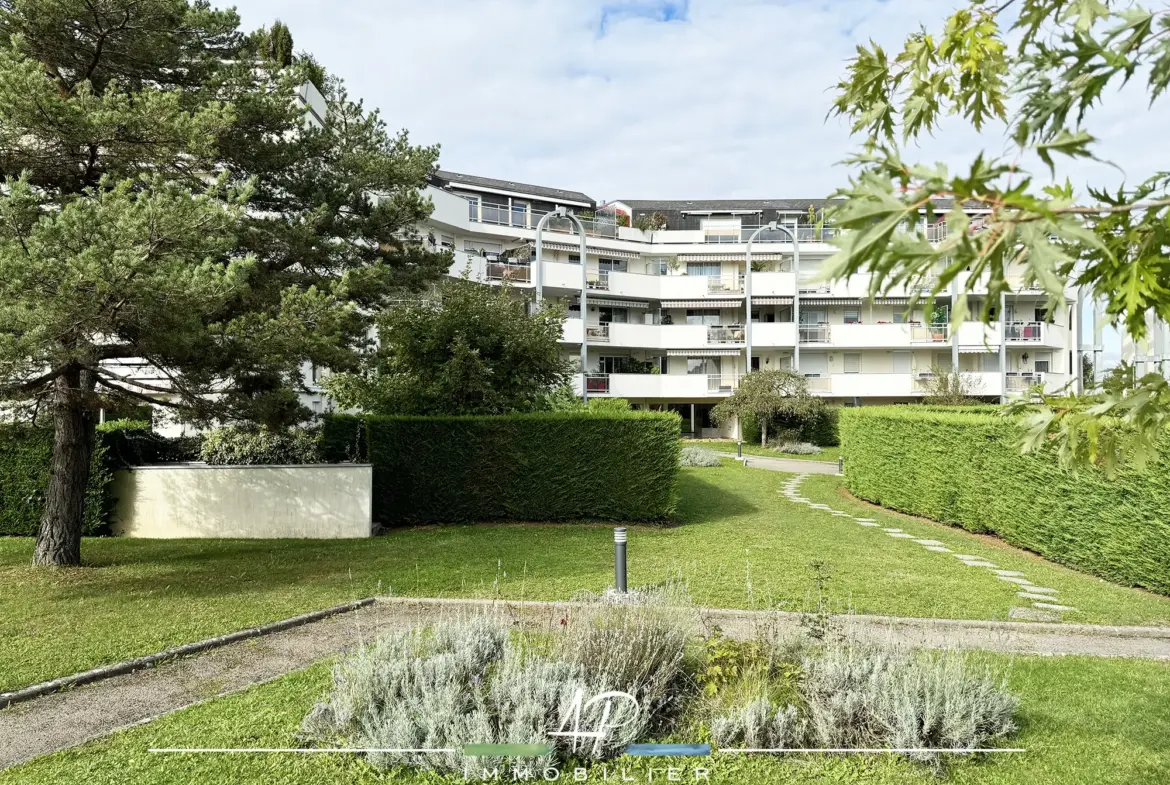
649,99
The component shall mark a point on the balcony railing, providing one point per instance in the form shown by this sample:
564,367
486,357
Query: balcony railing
804,234
600,283
1019,382
501,215
1024,331
814,333
818,383
728,383
725,335
930,333
502,271
724,283
597,332
597,383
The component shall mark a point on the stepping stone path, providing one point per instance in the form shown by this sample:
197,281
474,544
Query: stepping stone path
1044,600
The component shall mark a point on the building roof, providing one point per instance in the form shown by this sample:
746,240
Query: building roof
454,178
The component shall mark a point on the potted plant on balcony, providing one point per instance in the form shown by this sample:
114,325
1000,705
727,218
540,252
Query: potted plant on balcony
939,318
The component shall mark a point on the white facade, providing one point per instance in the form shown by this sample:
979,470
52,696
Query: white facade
674,301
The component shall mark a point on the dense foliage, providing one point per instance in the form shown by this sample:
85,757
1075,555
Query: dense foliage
966,468
474,349
819,427
250,446
1058,59
167,206
766,396
548,466
26,455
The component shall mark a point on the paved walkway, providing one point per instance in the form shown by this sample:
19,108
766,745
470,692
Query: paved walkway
71,718
789,465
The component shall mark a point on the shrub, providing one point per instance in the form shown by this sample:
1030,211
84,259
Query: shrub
965,468
249,446
698,456
470,682
822,428
799,448
547,466
870,696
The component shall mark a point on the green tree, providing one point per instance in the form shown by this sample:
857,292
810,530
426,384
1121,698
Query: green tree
945,387
1058,58
172,232
474,350
767,395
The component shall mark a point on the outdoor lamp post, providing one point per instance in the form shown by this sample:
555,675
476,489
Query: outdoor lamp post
561,212
619,559
772,226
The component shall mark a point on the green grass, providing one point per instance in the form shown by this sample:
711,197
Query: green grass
829,454
741,545
1083,722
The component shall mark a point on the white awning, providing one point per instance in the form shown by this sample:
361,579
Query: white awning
702,352
608,253
830,301
771,300
757,256
712,303
609,302
977,349
891,301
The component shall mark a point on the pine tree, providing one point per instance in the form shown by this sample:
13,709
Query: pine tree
167,208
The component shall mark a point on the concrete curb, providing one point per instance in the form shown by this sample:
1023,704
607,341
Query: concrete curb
150,660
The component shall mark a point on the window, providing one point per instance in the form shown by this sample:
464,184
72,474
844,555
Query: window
709,269
852,362
705,366
990,362
447,242
473,208
612,364
899,317
479,248
901,362
707,316
852,316
814,316
1043,361
612,265
574,258
1041,315
618,315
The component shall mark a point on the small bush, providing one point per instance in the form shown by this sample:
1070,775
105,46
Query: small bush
799,448
698,456
237,446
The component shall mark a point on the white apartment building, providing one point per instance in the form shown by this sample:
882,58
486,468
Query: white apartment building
668,323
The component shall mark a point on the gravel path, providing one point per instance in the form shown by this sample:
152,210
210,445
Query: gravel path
788,465
71,718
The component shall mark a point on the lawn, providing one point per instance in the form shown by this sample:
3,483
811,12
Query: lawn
741,545
829,454
1083,722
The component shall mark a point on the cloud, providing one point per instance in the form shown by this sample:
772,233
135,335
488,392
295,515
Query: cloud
645,98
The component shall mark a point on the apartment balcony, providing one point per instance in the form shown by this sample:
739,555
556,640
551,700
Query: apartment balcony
650,336
815,334
979,334
522,217
725,335
725,284
819,383
804,234
773,284
930,333
863,336
1025,332
766,334
872,385
978,383
1022,382
655,385
572,330
510,272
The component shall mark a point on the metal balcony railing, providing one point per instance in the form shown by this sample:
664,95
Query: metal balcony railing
523,217
728,383
600,283
724,283
1019,382
597,383
814,333
930,333
734,334
597,332
1024,331
502,271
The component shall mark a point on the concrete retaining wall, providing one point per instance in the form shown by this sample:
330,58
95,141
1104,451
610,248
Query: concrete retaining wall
330,501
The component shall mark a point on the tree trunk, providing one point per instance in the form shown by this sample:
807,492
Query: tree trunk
763,431
59,538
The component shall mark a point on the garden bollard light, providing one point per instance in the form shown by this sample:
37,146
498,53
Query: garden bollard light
739,450
619,558
841,464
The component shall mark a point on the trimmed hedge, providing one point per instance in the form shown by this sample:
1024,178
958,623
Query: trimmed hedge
550,466
25,458
965,468
820,429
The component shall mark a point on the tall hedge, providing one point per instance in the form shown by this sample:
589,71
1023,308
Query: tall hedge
551,466
965,468
25,458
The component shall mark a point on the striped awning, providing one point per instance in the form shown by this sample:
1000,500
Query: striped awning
757,256
608,253
711,303
891,301
977,349
771,300
609,302
702,352
830,301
